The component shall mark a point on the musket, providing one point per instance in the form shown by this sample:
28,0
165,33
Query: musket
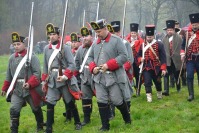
84,18
141,67
183,60
30,46
97,16
123,20
62,38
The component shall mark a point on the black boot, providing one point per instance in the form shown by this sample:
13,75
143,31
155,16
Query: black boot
172,80
178,86
111,111
129,106
14,121
74,110
87,109
68,113
125,112
166,86
39,118
50,118
103,111
191,91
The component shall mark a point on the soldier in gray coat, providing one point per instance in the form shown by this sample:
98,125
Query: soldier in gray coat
172,44
85,74
58,85
23,91
106,60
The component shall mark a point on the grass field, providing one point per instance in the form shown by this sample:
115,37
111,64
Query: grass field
172,114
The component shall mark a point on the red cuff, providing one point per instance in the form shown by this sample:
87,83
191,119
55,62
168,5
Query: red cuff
112,64
139,60
127,65
6,85
68,73
75,73
44,76
76,95
182,51
92,65
33,81
163,67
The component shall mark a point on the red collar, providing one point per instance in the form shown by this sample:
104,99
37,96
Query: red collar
106,40
23,53
57,47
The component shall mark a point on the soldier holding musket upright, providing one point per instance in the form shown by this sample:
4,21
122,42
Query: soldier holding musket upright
190,52
106,60
85,74
152,57
58,85
172,44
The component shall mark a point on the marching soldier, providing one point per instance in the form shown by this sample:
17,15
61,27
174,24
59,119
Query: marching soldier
190,50
128,65
75,42
153,58
23,91
135,41
172,44
85,75
106,60
58,86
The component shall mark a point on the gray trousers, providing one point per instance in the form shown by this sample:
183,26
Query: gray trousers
87,92
112,93
17,102
54,95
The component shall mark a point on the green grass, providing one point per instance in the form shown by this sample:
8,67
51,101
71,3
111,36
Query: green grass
172,114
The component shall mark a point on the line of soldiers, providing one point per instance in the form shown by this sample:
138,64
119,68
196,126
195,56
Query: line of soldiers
103,67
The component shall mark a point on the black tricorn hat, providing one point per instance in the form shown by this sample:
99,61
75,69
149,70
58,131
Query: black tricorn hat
194,18
134,27
17,38
85,31
115,25
110,28
150,30
170,24
50,28
74,37
98,24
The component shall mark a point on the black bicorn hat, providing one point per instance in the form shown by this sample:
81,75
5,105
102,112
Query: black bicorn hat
110,28
134,27
194,18
50,28
150,30
99,24
17,38
115,25
85,31
74,37
170,24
